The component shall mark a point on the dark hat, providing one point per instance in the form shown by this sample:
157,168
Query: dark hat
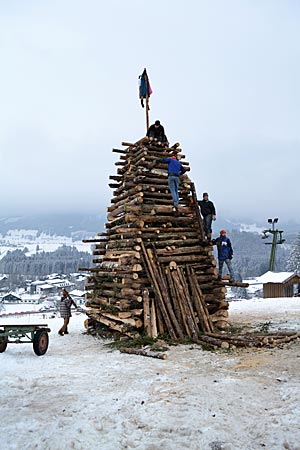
157,122
205,194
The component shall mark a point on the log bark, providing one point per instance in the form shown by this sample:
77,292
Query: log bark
188,320
153,319
201,308
165,293
92,241
146,307
159,296
141,352
189,301
213,298
111,324
174,298
116,150
127,321
184,259
170,250
232,283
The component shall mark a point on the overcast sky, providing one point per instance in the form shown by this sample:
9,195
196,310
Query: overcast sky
225,79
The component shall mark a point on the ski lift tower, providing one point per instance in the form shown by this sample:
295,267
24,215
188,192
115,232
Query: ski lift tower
277,239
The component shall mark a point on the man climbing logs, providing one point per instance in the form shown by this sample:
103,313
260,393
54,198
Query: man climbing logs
208,213
175,169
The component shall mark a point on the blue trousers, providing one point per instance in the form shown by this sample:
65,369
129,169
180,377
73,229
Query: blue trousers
229,265
173,182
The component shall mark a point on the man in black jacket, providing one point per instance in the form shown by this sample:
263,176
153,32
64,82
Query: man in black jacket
208,212
157,131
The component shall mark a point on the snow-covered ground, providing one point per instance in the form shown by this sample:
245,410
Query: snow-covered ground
83,395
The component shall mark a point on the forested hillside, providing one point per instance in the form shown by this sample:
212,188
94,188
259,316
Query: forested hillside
251,255
64,260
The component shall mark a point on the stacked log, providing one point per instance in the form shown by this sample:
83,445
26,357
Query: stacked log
229,341
154,272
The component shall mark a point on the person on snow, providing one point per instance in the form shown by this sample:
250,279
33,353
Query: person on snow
65,310
157,131
175,169
208,213
225,253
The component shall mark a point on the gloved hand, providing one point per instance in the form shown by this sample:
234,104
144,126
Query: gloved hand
214,217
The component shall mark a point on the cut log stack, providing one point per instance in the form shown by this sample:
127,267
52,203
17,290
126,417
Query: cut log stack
154,272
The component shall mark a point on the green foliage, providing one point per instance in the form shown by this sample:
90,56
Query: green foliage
141,341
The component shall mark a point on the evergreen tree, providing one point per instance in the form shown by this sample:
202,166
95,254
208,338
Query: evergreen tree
293,262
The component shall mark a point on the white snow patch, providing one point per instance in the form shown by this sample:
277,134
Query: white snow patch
251,228
83,395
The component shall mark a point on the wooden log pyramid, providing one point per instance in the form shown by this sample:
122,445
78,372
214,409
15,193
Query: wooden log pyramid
154,272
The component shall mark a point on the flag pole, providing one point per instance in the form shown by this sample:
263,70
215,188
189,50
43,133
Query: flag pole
147,112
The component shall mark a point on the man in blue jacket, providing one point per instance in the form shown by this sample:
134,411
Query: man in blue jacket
225,253
175,169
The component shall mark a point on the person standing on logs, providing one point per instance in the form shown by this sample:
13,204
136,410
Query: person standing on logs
65,310
208,212
225,253
157,132
175,169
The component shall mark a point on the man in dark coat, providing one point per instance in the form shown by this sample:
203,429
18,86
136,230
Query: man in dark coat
157,131
225,253
208,212
65,310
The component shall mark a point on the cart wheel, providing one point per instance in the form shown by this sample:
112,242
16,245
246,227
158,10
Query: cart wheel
3,342
40,342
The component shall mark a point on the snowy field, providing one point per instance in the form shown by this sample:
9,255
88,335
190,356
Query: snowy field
19,239
83,395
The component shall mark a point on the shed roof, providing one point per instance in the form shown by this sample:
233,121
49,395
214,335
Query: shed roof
275,277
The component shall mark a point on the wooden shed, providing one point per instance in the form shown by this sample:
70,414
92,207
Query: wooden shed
279,284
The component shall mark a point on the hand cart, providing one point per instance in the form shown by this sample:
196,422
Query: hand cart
19,334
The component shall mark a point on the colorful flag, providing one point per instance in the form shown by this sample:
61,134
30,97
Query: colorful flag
144,87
